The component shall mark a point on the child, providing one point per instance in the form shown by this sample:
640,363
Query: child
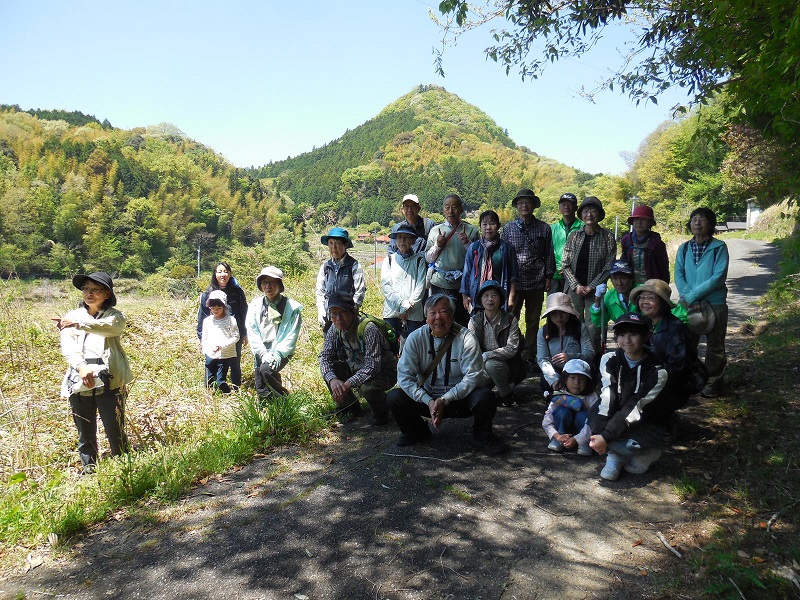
629,422
403,276
218,341
341,275
565,420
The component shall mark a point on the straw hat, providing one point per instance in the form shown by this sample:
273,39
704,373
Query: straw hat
559,301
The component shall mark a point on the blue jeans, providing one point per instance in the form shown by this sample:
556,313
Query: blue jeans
217,372
566,420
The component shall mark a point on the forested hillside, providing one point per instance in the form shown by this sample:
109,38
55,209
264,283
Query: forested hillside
88,196
429,142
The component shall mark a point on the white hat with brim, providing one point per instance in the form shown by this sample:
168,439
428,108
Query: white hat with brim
702,321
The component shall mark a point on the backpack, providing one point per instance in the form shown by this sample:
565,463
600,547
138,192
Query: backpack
387,330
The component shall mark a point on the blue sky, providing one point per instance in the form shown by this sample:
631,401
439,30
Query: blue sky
260,81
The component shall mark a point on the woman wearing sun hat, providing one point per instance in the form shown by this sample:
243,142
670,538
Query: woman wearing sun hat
341,274
97,367
644,248
562,338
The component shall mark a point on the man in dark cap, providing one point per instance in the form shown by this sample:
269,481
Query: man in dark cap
355,357
569,222
533,241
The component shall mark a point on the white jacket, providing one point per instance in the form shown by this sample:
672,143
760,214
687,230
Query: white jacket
403,285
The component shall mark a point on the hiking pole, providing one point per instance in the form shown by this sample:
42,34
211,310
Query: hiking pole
603,324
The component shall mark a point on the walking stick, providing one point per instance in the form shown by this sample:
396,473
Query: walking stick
603,325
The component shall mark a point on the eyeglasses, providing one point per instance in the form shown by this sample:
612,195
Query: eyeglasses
91,290
648,297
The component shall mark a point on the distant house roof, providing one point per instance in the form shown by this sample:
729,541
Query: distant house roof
364,236
383,239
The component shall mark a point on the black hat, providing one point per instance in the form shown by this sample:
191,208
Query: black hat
592,201
621,266
526,193
490,284
568,197
101,278
407,229
631,320
341,301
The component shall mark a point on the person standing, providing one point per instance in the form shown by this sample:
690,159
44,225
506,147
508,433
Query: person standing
701,268
403,276
643,248
422,226
567,205
586,263
220,334
489,259
532,240
445,252
97,367
342,274
222,279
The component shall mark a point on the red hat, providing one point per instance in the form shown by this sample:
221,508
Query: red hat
642,212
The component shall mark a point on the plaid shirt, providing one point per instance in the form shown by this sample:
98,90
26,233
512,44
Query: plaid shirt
534,245
602,252
698,249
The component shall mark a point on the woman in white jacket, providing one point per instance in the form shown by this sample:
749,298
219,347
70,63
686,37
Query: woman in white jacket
98,370
403,283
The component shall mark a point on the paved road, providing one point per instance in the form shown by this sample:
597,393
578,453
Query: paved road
359,518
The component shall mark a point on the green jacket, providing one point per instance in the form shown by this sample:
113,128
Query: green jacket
615,309
560,235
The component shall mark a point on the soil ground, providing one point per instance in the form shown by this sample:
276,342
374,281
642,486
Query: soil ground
356,517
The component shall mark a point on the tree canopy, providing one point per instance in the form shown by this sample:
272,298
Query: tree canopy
751,50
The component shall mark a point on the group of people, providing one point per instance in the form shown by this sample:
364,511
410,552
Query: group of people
453,295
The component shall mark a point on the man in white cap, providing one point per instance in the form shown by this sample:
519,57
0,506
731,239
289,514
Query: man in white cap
273,326
421,225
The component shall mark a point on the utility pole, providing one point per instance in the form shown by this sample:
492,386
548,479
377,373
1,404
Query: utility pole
198,261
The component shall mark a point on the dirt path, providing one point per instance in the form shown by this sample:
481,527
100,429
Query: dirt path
361,518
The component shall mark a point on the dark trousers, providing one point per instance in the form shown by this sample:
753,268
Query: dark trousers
268,380
373,390
479,403
236,365
217,372
461,315
533,300
404,330
111,406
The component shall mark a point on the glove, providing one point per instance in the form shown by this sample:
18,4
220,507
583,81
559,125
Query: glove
600,290
272,361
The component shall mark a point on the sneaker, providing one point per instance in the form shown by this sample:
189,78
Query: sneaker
490,444
409,440
88,469
584,450
639,463
709,392
555,445
614,464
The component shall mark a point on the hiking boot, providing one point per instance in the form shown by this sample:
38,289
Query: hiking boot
639,463
614,464
584,450
406,439
489,443
555,445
